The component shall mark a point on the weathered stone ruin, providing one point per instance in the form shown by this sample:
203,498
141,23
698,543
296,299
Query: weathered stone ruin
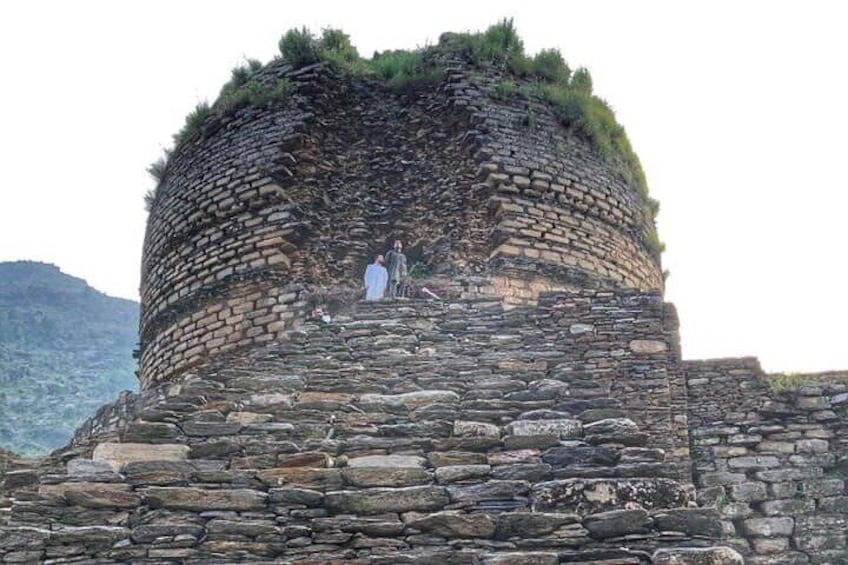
539,413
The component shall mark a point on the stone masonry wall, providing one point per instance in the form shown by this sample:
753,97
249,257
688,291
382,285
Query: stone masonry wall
448,431
772,462
219,235
306,193
559,208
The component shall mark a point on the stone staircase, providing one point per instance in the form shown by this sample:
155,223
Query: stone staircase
405,432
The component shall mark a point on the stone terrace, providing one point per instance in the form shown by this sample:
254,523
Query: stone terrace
409,432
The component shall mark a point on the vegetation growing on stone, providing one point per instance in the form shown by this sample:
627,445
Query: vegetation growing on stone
300,48
549,65
253,93
241,91
400,68
568,93
546,76
405,69
505,90
794,381
193,123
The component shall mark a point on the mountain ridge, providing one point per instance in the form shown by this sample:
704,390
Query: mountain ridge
65,349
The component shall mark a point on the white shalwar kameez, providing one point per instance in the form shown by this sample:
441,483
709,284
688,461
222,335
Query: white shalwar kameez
376,278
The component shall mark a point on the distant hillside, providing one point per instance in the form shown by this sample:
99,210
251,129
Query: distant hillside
65,349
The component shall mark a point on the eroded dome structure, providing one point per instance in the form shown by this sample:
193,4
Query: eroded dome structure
536,412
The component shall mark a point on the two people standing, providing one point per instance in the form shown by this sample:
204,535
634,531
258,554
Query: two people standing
378,278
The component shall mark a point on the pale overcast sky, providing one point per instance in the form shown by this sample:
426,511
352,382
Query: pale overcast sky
737,110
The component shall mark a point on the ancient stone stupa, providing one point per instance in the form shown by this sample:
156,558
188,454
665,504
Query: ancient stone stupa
536,412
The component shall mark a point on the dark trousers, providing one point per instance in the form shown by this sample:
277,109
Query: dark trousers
394,288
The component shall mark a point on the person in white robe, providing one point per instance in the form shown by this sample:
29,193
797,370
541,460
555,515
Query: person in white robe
376,279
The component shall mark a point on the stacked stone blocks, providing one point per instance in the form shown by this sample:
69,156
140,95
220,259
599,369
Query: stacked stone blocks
401,432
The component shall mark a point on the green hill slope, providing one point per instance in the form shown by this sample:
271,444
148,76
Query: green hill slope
65,349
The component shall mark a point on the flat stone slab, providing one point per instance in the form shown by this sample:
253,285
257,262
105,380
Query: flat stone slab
647,346
490,490
314,459
590,496
691,521
148,533
118,454
378,526
408,400
769,527
475,429
386,476
616,523
387,461
531,524
158,472
23,538
245,418
296,495
564,428
455,473
262,383
270,400
697,556
454,458
93,495
242,527
92,535
86,467
513,456
523,558
563,456
455,524
302,476
199,500
382,500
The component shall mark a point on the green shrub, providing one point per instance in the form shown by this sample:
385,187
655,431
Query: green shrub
159,167
788,381
654,241
337,50
149,198
419,270
581,81
653,207
505,90
193,124
405,69
549,65
299,48
568,93
255,65
254,94
461,45
240,75
499,45
335,45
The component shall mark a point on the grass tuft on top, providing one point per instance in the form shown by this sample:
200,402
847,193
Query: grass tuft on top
299,48
405,69
549,65
793,381
193,123
545,76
